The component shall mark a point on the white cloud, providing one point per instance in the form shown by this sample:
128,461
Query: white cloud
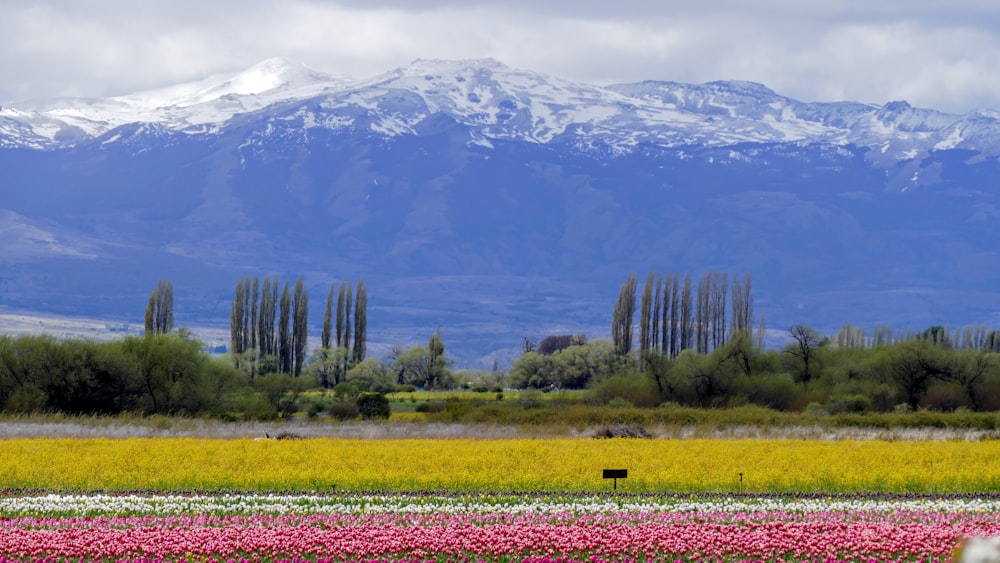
931,54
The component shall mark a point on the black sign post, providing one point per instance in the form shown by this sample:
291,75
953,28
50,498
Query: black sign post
616,474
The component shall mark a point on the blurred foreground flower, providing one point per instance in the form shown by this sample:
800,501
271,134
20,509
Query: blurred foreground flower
979,550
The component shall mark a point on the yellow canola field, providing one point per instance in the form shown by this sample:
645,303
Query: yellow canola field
499,465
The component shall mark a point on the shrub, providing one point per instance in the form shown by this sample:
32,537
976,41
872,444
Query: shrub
373,405
771,391
314,408
637,390
620,403
849,404
343,410
944,397
815,409
530,399
431,407
803,400
249,405
883,398
27,398
349,389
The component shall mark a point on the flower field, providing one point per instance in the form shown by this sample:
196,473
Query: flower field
542,501
463,465
538,528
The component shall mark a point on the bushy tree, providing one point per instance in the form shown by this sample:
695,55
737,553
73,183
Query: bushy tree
423,366
574,367
373,375
373,405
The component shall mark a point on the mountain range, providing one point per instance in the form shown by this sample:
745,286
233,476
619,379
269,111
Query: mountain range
494,202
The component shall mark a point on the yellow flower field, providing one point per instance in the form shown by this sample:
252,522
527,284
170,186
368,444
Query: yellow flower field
499,465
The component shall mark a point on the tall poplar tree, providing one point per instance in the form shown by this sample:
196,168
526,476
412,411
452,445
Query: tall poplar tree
360,323
326,337
657,304
347,329
340,315
646,316
674,340
300,327
621,322
686,318
159,317
254,302
701,315
265,320
284,331
236,319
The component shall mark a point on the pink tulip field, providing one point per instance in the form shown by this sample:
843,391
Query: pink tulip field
451,527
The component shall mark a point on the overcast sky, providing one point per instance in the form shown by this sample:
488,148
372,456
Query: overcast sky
944,55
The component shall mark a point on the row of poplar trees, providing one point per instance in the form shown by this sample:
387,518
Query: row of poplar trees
269,331
674,316
340,350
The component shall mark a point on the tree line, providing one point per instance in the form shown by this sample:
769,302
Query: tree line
155,373
264,376
674,316
269,330
691,354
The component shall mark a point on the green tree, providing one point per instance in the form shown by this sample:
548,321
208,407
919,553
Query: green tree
326,337
237,317
438,361
300,327
373,405
373,375
805,343
913,365
284,331
159,318
685,321
646,318
347,329
621,322
413,367
340,316
360,323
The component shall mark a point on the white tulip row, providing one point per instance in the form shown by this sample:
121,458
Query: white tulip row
278,504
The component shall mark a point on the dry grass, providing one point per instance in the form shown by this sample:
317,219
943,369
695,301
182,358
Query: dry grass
59,426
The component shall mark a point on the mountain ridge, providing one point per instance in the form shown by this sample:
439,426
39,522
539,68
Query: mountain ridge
501,102
498,203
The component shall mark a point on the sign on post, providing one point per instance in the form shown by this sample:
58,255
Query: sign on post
616,474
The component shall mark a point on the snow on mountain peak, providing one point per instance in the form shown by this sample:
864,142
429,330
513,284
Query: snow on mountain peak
263,76
209,101
495,101
266,76
439,65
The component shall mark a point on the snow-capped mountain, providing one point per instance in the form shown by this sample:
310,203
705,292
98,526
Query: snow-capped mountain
195,107
497,202
497,102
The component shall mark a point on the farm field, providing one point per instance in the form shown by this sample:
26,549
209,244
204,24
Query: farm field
470,465
538,500
531,527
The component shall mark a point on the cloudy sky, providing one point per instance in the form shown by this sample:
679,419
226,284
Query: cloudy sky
937,54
